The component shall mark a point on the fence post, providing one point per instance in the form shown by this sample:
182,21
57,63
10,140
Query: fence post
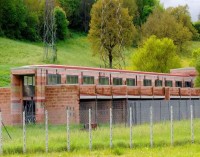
172,126
90,131
110,127
151,126
191,124
24,132
46,129
1,139
68,133
131,145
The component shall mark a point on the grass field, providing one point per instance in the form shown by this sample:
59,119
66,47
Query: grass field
80,141
73,51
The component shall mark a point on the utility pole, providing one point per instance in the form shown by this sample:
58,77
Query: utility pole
50,52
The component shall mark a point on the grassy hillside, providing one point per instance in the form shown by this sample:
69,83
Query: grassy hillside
74,51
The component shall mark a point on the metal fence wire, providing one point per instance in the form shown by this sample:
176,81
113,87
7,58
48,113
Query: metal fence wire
137,123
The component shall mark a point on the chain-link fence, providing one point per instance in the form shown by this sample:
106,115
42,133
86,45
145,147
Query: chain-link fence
136,124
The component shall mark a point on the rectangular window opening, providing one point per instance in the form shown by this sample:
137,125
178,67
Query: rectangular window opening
117,81
88,79
168,83
178,83
53,79
72,79
147,82
103,80
158,83
130,82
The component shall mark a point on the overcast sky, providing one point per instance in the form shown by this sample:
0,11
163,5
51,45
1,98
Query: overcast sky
194,6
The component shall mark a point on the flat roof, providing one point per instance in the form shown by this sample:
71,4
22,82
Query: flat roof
101,69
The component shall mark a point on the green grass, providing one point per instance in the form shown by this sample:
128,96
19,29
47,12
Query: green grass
80,141
73,51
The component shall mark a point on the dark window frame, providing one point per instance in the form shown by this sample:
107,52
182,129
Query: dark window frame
85,80
128,82
158,83
147,82
104,82
188,84
179,84
117,81
168,81
53,79
71,77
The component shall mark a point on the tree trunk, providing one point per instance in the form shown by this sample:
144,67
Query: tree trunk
110,59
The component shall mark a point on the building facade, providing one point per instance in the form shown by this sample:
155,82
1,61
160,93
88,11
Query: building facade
56,88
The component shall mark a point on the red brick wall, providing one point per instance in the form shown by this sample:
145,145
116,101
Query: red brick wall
133,91
104,90
119,90
88,90
58,98
16,99
5,105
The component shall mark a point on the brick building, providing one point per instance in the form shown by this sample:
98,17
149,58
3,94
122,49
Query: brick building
55,88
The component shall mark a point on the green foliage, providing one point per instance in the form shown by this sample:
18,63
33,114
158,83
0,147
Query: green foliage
145,8
78,13
197,27
196,54
162,24
156,55
20,19
197,81
13,20
108,33
132,7
182,15
61,23
34,19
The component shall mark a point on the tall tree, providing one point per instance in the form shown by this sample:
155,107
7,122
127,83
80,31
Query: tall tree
182,15
111,30
144,9
162,24
13,20
61,23
78,13
156,55
132,7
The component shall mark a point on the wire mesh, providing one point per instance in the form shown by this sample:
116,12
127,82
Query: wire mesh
76,137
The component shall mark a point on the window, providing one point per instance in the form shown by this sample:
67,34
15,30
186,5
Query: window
72,79
130,82
54,79
188,84
147,82
117,81
178,83
29,86
103,80
158,83
88,79
29,80
168,83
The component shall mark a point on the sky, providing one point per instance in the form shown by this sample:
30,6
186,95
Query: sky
194,6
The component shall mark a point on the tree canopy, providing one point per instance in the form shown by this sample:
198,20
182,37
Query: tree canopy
111,30
162,24
61,23
157,55
144,9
